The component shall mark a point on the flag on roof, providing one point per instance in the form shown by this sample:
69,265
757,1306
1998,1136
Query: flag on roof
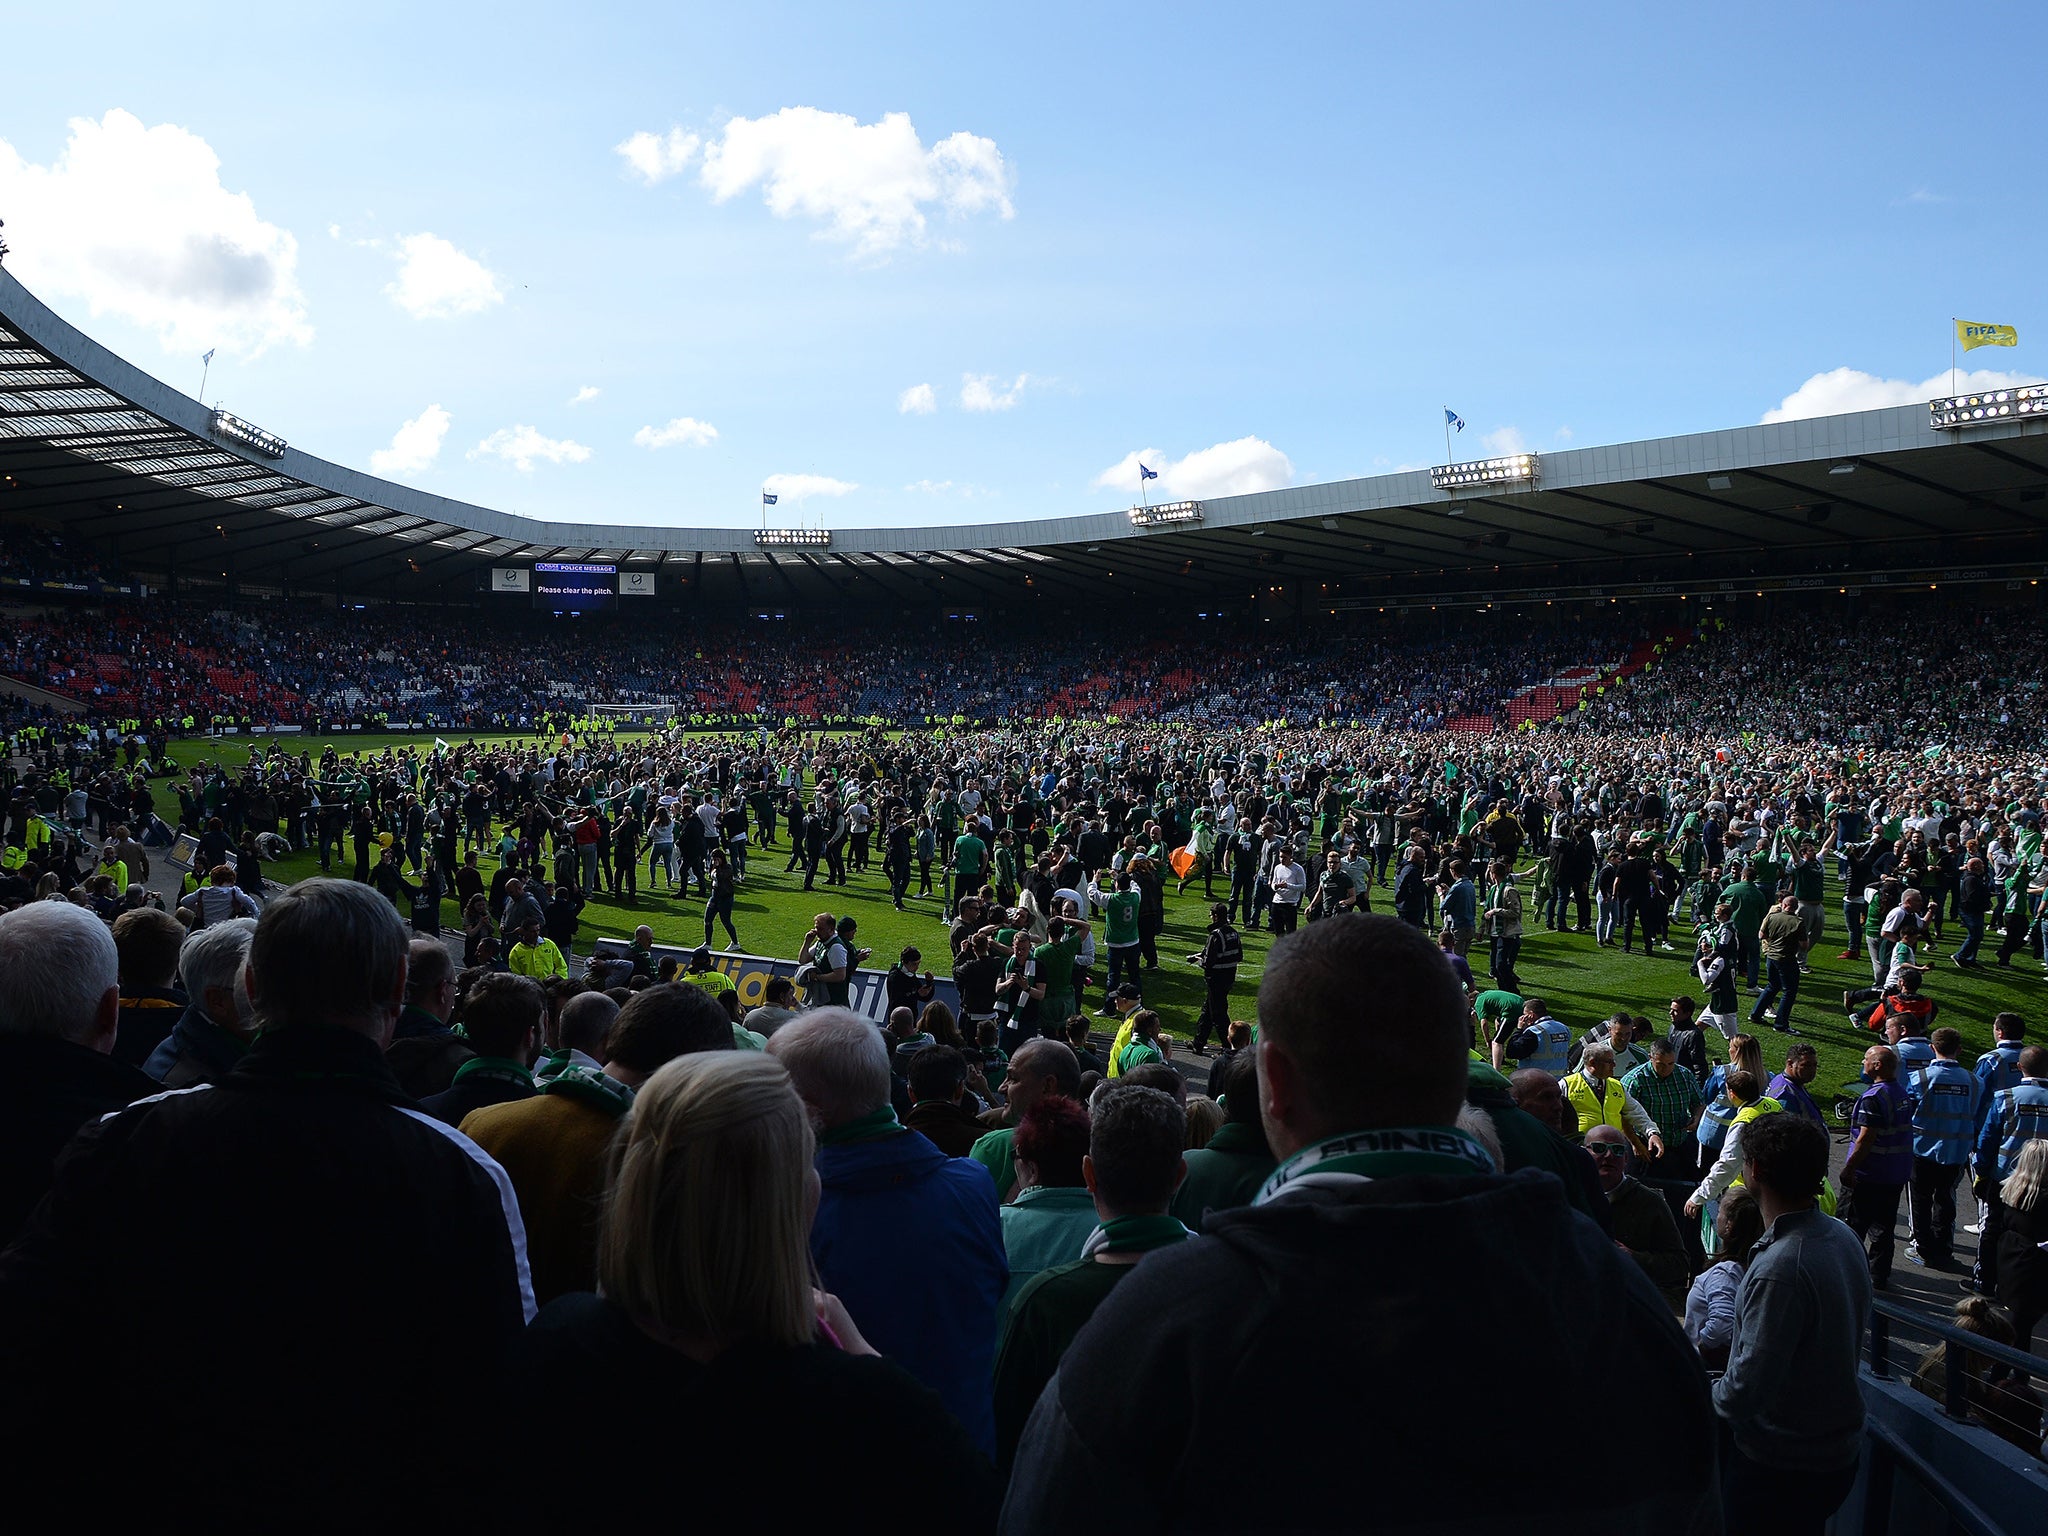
1147,474
1453,420
767,498
1974,334
209,355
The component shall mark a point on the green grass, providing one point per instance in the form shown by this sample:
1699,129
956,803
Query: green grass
772,910
1582,984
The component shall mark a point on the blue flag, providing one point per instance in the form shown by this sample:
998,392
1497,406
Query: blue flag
209,356
1453,420
1147,474
767,500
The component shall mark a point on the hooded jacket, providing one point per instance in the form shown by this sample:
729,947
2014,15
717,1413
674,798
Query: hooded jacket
911,1241
1352,1319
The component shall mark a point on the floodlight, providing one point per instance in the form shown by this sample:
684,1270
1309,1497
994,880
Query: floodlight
2028,401
248,434
1166,514
791,538
1509,469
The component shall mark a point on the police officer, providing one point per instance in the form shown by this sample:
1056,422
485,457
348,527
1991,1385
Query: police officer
2018,1115
1541,1042
1944,1119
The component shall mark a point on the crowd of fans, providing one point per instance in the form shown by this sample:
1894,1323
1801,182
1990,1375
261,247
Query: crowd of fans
1964,676
595,1182
311,665
38,555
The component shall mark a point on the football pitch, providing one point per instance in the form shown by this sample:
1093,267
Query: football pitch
1581,983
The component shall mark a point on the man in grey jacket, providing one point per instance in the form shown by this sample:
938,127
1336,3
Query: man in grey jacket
1790,1399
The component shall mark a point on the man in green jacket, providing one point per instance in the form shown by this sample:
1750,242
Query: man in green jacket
1226,1173
1133,1166
1747,902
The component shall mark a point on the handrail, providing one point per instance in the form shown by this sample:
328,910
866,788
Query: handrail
1877,1493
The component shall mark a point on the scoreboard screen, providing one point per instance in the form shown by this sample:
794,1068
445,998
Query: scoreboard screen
569,588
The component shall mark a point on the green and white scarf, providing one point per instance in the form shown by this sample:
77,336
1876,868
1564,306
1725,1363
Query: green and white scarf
571,1079
1134,1234
1438,1149
495,1069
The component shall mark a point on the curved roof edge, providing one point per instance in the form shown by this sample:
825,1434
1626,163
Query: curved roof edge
1832,437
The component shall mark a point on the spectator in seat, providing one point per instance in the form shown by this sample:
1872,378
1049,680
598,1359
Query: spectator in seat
425,1051
148,943
1053,1213
1040,1067
908,1237
214,1031
938,1084
502,1017
1131,1168
1226,1173
554,1144
1381,1235
707,1321
60,1009
1643,1224
297,1252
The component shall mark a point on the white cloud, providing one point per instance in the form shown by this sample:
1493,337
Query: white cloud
799,487
586,393
1564,434
1502,441
656,157
685,430
1235,468
414,446
918,400
982,392
438,282
135,222
1851,389
871,185
521,445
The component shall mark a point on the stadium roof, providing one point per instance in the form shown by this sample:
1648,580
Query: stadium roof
92,443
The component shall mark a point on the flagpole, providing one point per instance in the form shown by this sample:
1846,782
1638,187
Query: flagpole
1449,457
1951,356
205,364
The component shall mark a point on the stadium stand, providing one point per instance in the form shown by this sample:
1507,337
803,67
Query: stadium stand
1437,793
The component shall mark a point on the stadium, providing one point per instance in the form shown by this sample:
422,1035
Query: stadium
1650,751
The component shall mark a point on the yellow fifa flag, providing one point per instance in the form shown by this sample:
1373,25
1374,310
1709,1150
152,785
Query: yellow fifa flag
1971,335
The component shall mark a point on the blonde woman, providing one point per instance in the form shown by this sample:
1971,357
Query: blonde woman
2023,1241
706,1318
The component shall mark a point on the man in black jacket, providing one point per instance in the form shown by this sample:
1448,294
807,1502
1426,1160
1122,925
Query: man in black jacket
425,1052
60,1007
1974,899
249,1274
690,846
1411,894
501,1018
1363,1261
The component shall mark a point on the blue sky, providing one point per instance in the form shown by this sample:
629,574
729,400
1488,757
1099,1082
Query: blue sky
1253,245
